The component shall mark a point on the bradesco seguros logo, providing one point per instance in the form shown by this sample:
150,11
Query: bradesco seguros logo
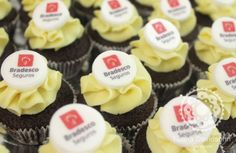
25,60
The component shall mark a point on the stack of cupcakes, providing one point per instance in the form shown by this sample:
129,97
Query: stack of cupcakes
60,38
30,93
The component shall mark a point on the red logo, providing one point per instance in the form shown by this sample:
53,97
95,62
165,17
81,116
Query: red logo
159,27
25,60
230,69
183,113
228,26
52,7
114,4
173,3
112,61
72,119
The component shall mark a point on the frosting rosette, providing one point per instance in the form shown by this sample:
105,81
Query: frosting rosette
208,51
3,149
185,26
54,39
159,143
90,3
117,33
30,5
31,101
111,143
119,100
229,102
5,8
4,39
159,60
214,10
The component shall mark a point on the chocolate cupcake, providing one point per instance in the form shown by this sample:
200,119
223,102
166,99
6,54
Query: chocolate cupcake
79,128
221,80
28,7
144,7
114,26
164,54
6,46
59,37
121,89
34,93
211,10
84,9
8,17
213,45
190,128
181,14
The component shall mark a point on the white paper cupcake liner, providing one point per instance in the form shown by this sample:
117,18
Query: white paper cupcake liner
125,143
129,131
71,68
33,136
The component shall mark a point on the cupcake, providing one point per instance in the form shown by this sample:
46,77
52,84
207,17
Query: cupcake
164,54
181,14
30,93
28,7
6,47
121,89
84,9
114,26
8,16
213,45
211,10
54,34
221,80
145,7
189,128
79,128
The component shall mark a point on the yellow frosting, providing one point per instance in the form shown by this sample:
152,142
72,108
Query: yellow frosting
208,51
90,3
185,27
3,149
158,142
158,60
118,101
209,7
147,2
111,143
118,33
5,8
229,103
58,38
4,39
33,101
30,5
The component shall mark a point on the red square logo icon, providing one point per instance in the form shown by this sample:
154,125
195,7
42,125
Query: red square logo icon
159,27
25,60
229,26
72,119
173,3
52,7
114,4
230,69
183,113
112,61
